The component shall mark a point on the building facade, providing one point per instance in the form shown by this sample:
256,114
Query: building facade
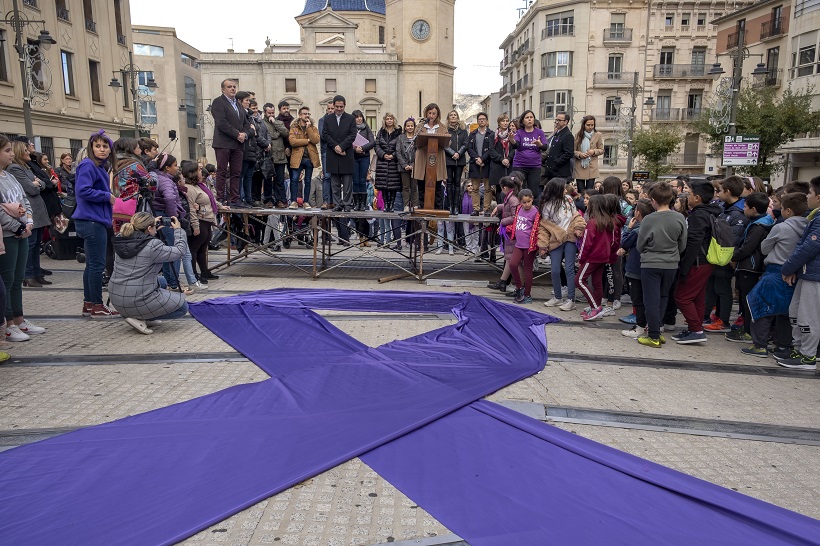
381,56
177,103
68,86
584,58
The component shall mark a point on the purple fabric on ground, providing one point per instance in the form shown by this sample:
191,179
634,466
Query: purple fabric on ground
161,476
498,478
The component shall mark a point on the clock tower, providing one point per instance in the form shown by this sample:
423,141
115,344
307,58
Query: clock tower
421,33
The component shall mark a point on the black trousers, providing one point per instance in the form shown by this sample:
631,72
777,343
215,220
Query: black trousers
198,244
745,281
762,327
636,293
655,284
719,293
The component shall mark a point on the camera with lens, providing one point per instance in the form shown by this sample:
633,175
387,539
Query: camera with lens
165,222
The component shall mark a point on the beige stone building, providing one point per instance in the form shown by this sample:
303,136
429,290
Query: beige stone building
580,57
782,36
69,81
177,103
383,56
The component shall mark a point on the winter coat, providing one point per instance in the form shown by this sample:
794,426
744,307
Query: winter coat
508,208
257,140
406,152
420,164
387,172
304,139
596,146
601,247
629,242
228,123
26,177
278,135
476,171
805,260
748,256
195,195
557,156
167,201
66,180
779,244
12,192
458,144
92,189
371,142
133,287
698,236
340,134
498,152
733,214
551,235
49,189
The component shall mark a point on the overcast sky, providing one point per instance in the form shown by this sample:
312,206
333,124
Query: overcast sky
481,25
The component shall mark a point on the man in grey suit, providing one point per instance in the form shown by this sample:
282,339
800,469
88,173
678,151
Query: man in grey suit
230,133
338,133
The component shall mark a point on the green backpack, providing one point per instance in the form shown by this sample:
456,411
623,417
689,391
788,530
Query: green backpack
721,243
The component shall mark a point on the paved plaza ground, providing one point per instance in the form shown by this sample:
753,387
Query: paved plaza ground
709,411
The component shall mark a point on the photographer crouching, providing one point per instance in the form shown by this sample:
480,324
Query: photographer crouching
135,288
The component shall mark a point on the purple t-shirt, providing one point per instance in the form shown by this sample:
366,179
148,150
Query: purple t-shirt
527,155
523,226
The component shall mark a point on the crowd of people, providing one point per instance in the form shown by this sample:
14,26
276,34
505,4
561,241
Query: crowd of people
690,247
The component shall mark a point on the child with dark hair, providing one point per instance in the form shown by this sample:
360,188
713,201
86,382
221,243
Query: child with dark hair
629,239
803,268
769,300
748,258
560,227
660,243
524,236
694,269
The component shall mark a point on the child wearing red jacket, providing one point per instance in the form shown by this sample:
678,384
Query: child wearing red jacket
524,234
602,239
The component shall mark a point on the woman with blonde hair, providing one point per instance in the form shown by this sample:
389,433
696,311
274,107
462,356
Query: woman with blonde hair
589,145
135,288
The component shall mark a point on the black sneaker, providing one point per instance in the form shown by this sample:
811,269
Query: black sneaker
203,281
680,335
781,353
802,362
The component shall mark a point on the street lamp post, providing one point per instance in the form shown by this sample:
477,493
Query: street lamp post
132,71
27,59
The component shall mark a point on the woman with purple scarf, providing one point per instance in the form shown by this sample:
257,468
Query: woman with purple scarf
203,216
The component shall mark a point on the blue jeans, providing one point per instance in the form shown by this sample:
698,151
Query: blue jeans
567,252
95,239
33,263
360,168
179,313
246,180
170,270
307,166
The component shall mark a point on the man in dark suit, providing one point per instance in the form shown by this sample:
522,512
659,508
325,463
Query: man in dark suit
557,159
338,133
230,133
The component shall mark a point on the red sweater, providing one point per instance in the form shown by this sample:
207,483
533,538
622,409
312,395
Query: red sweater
601,247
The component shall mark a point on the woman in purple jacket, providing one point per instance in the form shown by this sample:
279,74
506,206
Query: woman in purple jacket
167,203
528,141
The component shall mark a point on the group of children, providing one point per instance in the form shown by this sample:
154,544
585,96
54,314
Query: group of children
664,246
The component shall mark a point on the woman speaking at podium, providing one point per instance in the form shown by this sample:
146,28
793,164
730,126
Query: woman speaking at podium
431,124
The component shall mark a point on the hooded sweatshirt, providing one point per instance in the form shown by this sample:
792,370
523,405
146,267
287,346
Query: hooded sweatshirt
601,247
698,236
782,239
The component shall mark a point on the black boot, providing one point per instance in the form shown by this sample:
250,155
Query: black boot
500,284
518,292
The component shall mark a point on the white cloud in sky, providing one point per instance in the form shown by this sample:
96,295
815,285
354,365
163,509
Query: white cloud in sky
207,25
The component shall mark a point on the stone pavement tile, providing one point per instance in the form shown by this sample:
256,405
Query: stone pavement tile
55,396
705,395
782,474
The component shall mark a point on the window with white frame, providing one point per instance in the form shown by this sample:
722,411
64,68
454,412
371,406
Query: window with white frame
149,50
804,54
610,152
554,102
556,63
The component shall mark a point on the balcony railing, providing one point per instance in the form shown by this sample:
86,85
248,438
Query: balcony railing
505,90
526,48
607,120
63,14
685,159
680,71
732,40
31,3
773,78
613,79
121,39
90,26
565,29
505,64
664,114
690,114
771,28
619,35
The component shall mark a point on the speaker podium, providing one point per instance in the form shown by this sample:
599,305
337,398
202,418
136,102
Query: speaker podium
430,143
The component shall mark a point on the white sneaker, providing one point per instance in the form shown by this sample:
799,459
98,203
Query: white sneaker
198,286
439,250
13,333
616,305
633,333
568,305
553,302
607,311
28,328
139,326
668,327
406,209
306,205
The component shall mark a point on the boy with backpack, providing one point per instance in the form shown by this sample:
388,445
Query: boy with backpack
694,269
768,302
803,267
748,258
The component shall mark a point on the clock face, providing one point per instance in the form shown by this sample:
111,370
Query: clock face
420,29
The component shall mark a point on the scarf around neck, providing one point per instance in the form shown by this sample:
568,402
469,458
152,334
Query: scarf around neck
585,144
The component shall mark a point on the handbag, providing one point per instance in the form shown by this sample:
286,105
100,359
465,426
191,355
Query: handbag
124,209
68,203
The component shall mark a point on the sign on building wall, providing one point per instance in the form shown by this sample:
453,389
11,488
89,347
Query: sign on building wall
739,150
